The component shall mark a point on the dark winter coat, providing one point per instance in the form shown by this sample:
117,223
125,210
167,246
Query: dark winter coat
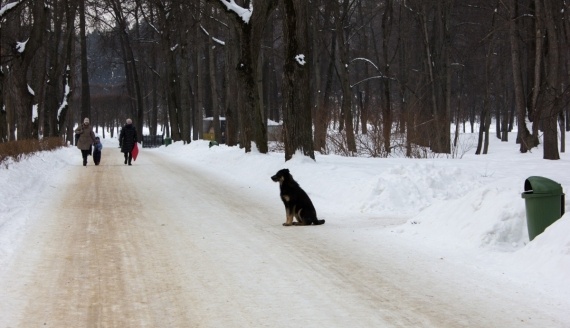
86,136
128,138
97,147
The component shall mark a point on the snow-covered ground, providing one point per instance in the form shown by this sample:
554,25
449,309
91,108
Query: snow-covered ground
467,210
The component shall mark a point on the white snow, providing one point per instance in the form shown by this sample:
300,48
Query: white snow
467,210
244,13
21,46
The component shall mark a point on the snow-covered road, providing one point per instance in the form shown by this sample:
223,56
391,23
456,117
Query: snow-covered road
119,246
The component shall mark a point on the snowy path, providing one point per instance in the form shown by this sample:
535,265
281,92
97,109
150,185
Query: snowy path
116,247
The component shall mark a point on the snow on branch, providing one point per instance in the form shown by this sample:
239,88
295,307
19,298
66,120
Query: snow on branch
368,61
245,14
211,37
21,46
66,94
9,6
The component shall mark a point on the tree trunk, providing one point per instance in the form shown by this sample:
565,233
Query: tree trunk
342,70
231,94
387,108
523,135
85,92
171,80
214,93
253,127
130,64
551,102
323,109
438,67
534,111
19,100
483,141
296,87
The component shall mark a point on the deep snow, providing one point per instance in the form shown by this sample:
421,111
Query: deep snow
467,210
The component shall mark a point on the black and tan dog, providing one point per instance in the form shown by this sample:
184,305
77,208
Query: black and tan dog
297,202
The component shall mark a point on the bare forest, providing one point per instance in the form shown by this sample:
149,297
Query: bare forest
352,77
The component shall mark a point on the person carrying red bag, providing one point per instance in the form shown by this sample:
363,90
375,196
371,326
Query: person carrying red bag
128,140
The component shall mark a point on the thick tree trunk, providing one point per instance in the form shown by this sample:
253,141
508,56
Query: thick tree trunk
296,87
523,135
231,94
18,98
440,77
552,88
252,125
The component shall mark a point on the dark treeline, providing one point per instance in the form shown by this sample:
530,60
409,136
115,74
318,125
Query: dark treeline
361,77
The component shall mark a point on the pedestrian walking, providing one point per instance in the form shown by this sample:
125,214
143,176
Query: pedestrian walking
97,147
127,140
85,140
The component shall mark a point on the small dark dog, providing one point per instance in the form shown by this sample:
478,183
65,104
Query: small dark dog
297,202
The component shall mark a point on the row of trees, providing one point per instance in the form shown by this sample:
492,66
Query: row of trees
395,74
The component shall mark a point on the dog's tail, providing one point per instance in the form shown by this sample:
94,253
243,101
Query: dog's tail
317,222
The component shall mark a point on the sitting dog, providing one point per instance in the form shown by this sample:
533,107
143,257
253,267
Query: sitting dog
297,202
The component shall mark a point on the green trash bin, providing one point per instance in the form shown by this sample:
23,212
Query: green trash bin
544,203
167,141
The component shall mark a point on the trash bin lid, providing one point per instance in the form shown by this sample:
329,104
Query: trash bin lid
542,185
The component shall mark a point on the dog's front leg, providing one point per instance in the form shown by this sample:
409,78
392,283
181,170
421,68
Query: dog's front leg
299,218
288,217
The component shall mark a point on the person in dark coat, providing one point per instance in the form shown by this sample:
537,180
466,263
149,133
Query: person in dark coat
85,140
127,140
97,147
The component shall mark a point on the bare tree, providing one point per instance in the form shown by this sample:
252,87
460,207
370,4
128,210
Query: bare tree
249,24
551,89
524,137
343,74
296,103
17,95
122,18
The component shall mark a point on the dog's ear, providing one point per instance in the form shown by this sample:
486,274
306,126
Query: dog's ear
286,171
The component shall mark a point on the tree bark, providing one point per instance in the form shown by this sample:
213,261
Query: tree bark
297,120
19,100
342,70
171,80
552,94
523,134
231,94
85,92
387,108
252,125
214,92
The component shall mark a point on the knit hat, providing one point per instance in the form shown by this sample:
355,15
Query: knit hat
129,121
86,121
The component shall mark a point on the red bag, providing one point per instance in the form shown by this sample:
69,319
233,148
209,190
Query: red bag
135,151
